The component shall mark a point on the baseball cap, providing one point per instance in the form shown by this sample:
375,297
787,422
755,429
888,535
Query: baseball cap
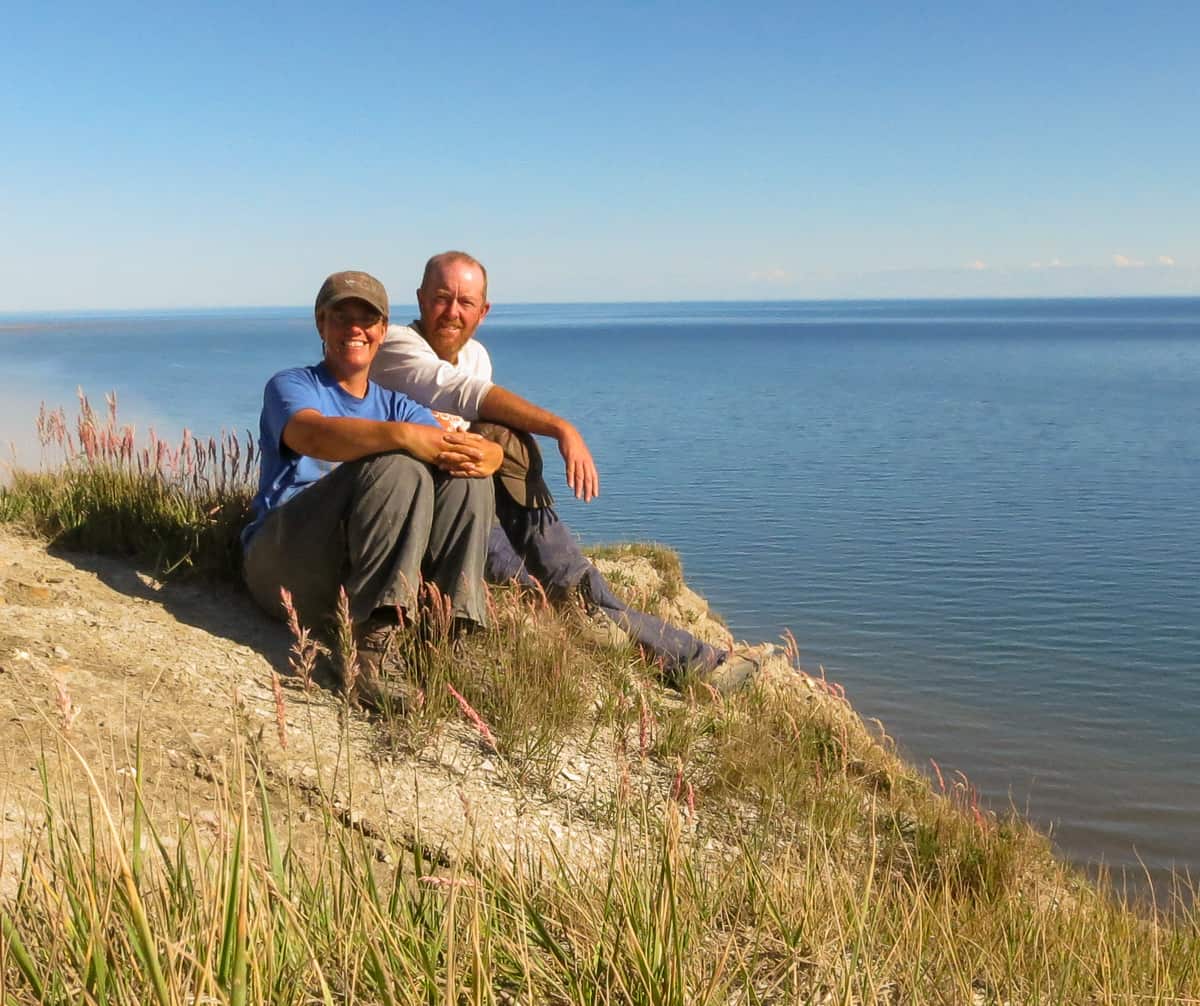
352,284
521,470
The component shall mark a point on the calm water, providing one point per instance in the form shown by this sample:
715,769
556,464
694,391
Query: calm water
982,518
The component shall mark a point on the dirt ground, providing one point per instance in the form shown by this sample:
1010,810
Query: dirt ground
95,652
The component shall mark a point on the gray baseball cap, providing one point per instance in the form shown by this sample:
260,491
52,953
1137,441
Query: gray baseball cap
352,284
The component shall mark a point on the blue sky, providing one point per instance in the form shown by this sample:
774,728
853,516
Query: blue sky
235,154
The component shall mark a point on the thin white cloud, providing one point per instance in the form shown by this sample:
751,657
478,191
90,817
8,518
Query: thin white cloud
978,265
1166,260
1056,263
1125,262
772,275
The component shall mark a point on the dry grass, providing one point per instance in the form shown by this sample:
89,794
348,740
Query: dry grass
663,559
176,507
762,849
821,884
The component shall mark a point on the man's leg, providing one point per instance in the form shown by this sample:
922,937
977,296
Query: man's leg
458,541
543,543
503,564
679,652
676,649
553,556
364,526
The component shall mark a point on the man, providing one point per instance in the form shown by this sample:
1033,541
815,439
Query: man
360,488
436,361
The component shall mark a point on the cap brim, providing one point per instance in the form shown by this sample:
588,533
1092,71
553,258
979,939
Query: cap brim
337,298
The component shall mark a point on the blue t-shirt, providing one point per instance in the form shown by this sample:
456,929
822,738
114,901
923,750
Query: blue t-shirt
283,472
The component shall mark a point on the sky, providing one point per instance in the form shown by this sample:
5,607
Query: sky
163,156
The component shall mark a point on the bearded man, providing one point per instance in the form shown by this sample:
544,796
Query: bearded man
436,361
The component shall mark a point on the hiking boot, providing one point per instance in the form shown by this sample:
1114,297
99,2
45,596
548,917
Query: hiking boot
738,669
380,683
593,622
597,628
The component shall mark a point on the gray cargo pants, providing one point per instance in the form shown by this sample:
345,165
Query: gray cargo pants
375,526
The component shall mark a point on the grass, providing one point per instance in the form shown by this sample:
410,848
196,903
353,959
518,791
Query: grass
663,560
820,906
178,508
767,848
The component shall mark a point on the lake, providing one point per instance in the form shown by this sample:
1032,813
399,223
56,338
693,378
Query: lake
980,517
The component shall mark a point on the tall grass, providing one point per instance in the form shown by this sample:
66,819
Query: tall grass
177,507
236,907
764,848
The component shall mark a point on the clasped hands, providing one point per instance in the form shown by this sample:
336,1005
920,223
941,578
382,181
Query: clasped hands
462,455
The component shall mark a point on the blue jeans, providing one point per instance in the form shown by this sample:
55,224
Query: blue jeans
531,543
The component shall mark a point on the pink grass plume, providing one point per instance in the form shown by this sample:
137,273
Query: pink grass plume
677,784
280,710
347,649
645,721
68,712
791,648
938,770
485,733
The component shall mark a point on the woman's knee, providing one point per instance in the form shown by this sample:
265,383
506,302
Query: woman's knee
472,496
397,472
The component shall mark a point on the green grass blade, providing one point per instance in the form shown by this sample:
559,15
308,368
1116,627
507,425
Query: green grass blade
230,926
271,838
139,811
20,954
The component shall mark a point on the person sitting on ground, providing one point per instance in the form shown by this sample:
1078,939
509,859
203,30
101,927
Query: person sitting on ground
360,488
437,362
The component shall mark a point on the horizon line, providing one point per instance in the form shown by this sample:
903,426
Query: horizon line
7,314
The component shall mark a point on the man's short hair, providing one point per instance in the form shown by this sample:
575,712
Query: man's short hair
445,258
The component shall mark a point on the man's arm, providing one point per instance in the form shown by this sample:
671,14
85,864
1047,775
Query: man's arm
407,363
503,406
341,438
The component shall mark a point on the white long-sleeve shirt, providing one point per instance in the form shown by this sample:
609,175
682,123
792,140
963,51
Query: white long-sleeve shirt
407,363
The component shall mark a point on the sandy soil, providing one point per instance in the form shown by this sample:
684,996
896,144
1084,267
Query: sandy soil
102,649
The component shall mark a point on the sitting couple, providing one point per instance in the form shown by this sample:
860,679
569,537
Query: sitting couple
384,464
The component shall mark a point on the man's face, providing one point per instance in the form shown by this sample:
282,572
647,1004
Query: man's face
352,331
452,305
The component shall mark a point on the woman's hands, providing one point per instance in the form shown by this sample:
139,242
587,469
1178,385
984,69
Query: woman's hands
469,456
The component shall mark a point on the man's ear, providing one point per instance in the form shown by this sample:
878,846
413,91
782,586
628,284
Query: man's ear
484,313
